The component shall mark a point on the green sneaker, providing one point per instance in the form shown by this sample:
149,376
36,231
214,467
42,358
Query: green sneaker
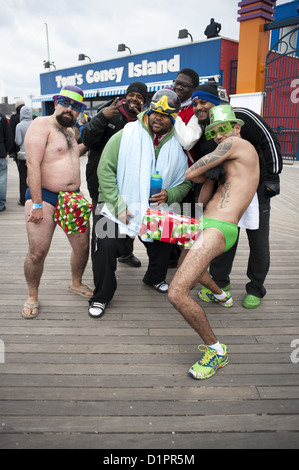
251,301
202,294
226,302
209,363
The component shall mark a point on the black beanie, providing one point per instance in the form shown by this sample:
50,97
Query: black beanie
138,87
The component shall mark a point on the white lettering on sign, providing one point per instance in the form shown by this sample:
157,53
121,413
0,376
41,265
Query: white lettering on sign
154,68
76,79
96,76
143,69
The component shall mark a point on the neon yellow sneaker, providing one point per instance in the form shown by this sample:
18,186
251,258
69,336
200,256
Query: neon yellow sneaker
209,363
226,302
202,294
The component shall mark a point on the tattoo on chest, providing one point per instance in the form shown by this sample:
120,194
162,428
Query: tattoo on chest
225,195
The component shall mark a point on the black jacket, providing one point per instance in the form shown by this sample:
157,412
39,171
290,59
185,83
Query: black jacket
262,137
6,140
14,121
95,135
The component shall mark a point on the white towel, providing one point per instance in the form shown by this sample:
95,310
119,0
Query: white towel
251,217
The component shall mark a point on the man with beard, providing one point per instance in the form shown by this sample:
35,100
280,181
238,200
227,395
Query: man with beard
111,118
53,165
129,159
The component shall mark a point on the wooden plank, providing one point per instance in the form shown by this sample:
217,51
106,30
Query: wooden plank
69,381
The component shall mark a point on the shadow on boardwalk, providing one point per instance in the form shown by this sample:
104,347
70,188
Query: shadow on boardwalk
68,381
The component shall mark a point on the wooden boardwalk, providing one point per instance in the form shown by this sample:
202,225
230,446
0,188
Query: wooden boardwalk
121,382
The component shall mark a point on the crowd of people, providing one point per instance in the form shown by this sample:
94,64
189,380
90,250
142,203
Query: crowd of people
228,159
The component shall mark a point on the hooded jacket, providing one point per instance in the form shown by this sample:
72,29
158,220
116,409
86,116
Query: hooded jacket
21,129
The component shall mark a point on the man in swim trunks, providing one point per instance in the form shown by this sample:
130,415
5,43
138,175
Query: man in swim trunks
53,166
221,216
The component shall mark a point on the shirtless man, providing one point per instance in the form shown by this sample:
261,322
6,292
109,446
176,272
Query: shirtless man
53,165
221,216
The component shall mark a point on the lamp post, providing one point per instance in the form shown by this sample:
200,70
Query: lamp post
83,57
184,33
48,64
122,48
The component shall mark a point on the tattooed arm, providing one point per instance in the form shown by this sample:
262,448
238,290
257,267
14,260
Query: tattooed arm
197,171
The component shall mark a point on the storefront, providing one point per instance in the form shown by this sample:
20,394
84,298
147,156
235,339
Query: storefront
102,80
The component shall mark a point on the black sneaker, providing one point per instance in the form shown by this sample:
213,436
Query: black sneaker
131,260
96,309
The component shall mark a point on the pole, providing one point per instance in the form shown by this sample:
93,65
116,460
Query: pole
48,47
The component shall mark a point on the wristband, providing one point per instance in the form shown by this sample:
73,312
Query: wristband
37,206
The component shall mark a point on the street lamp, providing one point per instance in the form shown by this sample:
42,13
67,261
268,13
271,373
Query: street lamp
122,48
83,57
47,64
183,34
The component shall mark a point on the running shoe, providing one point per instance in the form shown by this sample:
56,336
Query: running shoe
209,363
202,294
226,302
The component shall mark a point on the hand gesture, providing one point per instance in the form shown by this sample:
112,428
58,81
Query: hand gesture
112,110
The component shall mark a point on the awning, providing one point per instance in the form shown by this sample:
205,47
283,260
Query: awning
90,93
42,98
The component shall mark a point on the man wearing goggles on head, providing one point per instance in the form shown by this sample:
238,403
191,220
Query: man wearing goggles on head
53,166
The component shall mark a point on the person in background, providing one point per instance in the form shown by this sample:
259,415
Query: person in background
6,146
186,127
14,120
260,135
21,129
213,29
111,118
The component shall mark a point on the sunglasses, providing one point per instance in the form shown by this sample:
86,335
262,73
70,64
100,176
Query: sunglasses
223,129
182,84
66,103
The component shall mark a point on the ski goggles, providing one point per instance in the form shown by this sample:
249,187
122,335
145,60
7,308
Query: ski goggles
222,129
66,102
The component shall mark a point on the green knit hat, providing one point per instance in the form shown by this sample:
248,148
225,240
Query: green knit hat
222,114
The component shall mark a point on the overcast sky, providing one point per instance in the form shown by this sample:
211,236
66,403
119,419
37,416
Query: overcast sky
95,28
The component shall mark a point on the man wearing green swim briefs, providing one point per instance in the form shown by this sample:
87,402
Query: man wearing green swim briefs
221,216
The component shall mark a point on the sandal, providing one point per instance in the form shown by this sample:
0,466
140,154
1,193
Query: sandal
251,301
82,291
96,309
30,306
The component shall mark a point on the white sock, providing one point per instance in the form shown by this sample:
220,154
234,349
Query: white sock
218,348
220,296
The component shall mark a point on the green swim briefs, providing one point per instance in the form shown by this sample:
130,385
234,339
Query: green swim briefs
230,231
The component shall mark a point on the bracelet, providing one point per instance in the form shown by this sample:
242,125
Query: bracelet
37,206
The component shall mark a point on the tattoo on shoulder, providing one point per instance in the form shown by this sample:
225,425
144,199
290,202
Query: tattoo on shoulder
221,150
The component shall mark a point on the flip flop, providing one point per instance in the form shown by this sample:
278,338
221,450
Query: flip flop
81,291
30,306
